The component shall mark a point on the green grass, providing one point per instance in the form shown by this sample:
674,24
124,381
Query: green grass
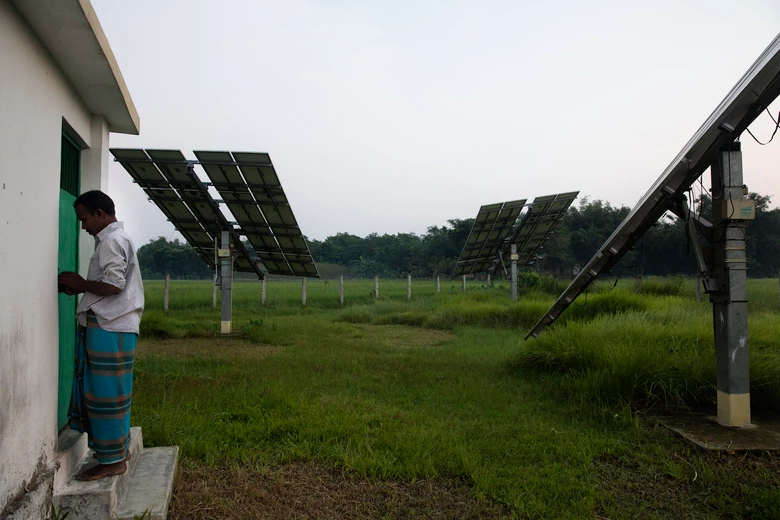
443,386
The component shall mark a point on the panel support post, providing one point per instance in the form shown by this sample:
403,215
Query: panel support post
376,286
409,287
262,292
463,284
513,264
438,284
341,289
488,281
303,292
226,277
729,303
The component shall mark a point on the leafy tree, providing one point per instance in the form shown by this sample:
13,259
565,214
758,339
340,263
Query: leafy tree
590,225
161,256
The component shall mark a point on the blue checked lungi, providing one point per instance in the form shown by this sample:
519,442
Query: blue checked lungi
103,389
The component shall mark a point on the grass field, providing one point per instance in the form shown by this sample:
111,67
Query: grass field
436,408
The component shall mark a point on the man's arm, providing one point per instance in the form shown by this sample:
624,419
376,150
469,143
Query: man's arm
73,283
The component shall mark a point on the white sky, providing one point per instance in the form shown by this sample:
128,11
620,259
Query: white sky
390,117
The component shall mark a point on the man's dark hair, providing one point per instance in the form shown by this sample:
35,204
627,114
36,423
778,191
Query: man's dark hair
95,200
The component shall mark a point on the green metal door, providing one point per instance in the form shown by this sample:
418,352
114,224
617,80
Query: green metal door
67,260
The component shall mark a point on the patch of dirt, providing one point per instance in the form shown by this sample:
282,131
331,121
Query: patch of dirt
694,485
312,491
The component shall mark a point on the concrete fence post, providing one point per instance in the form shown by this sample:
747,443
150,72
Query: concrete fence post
438,284
341,289
167,291
463,285
214,293
489,284
303,292
376,286
513,270
262,292
409,287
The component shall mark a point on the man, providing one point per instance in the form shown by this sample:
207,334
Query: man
109,315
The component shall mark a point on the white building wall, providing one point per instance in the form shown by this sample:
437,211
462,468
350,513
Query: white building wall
35,100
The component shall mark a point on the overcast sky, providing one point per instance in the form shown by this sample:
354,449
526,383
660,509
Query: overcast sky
394,116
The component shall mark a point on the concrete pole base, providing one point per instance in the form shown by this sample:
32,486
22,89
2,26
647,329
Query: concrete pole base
227,327
734,409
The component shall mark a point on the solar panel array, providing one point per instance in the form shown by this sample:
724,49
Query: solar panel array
492,227
249,185
496,228
543,215
168,179
755,91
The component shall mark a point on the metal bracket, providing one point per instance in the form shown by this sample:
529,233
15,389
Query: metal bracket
711,285
705,227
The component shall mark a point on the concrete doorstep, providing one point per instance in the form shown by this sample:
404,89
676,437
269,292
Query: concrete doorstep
145,486
151,486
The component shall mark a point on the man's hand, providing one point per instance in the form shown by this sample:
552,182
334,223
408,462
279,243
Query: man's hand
71,283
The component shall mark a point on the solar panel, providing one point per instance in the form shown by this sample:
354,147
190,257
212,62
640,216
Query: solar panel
146,174
250,187
491,229
755,91
543,214
167,178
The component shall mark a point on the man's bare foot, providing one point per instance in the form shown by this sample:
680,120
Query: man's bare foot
102,471
127,459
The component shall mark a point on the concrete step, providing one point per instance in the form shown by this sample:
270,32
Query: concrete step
97,500
151,487
71,450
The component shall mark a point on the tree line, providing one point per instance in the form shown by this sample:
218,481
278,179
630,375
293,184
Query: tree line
664,250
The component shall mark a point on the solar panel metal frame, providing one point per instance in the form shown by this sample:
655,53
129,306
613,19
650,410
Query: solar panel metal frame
538,223
250,187
165,177
492,228
755,91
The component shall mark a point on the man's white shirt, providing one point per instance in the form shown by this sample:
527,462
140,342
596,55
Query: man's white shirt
114,262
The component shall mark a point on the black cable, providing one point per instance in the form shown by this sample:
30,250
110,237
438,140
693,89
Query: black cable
777,126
